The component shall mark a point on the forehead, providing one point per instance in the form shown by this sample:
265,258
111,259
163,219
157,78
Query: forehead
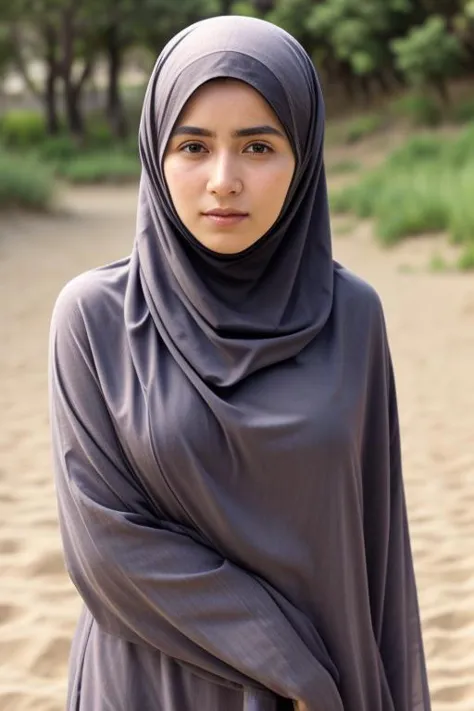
230,98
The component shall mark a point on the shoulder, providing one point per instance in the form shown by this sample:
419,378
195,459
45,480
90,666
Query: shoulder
93,299
354,294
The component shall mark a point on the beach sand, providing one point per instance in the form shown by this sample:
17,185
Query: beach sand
430,320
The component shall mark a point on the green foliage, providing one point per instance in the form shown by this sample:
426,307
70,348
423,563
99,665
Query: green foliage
429,53
416,150
111,167
24,183
363,126
419,109
463,112
58,149
245,7
342,167
426,186
357,29
466,260
22,129
438,263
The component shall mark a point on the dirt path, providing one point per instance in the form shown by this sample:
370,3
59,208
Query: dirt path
431,326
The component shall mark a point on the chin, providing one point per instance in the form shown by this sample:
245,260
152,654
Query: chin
225,244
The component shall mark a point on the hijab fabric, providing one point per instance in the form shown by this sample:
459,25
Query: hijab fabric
226,316
226,442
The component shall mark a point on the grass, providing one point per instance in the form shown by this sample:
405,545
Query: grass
363,127
342,167
419,109
25,183
112,167
425,186
463,112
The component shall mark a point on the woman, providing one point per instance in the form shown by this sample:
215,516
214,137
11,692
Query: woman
224,417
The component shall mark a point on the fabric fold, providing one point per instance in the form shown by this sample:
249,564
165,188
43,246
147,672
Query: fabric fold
147,580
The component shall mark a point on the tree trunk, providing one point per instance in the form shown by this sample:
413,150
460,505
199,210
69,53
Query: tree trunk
441,89
226,7
74,116
115,109
72,92
51,105
50,95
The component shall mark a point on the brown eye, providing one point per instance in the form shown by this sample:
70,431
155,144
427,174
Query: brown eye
193,148
259,148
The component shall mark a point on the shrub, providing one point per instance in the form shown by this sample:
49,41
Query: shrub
411,204
57,149
24,182
362,127
99,135
459,196
425,186
463,112
466,260
416,150
22,129
419,109
429,54
343,166
113,167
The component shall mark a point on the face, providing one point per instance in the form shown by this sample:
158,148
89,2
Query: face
228,166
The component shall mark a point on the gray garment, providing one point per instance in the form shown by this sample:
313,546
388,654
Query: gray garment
226,444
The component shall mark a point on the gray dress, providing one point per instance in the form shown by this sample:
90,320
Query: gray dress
226,444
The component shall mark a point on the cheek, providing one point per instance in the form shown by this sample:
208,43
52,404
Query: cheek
272,188
183,185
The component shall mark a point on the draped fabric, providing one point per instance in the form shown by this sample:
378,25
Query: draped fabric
226,443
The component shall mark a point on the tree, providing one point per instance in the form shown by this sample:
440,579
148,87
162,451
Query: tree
429,54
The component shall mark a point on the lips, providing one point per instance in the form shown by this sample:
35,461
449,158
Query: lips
226,212
225,217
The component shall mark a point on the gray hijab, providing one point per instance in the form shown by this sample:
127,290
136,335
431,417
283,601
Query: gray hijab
226,316
238,532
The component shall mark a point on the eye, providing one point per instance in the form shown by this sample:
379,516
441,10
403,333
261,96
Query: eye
192,148
259,148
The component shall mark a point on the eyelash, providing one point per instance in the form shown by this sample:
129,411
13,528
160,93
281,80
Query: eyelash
256,143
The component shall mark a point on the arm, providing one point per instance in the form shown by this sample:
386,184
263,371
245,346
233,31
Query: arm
146,580
401,644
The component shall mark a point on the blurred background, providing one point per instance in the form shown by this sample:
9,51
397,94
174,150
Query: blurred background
398,76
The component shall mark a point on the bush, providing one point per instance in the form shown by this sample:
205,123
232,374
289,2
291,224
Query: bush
411,205
99,135
343,166
24,183
418,149
426,186
466,260
463,112
58,149
429,54
419,109
22,129
362,127
112,167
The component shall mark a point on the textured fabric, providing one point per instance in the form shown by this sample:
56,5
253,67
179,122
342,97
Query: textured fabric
226,444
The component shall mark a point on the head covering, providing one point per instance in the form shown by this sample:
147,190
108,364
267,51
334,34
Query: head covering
226,316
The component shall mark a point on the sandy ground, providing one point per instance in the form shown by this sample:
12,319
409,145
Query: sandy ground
431,326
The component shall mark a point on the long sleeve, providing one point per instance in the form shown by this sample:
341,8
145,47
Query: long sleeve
152,582
401,644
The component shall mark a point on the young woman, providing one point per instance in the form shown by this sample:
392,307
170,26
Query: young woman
224,417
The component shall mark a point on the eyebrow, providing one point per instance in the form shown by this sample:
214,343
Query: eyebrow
239,133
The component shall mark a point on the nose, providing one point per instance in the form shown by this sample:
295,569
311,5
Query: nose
223,177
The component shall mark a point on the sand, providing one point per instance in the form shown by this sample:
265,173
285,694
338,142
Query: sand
431,325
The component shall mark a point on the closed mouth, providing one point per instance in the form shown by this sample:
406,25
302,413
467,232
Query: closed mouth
226,213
